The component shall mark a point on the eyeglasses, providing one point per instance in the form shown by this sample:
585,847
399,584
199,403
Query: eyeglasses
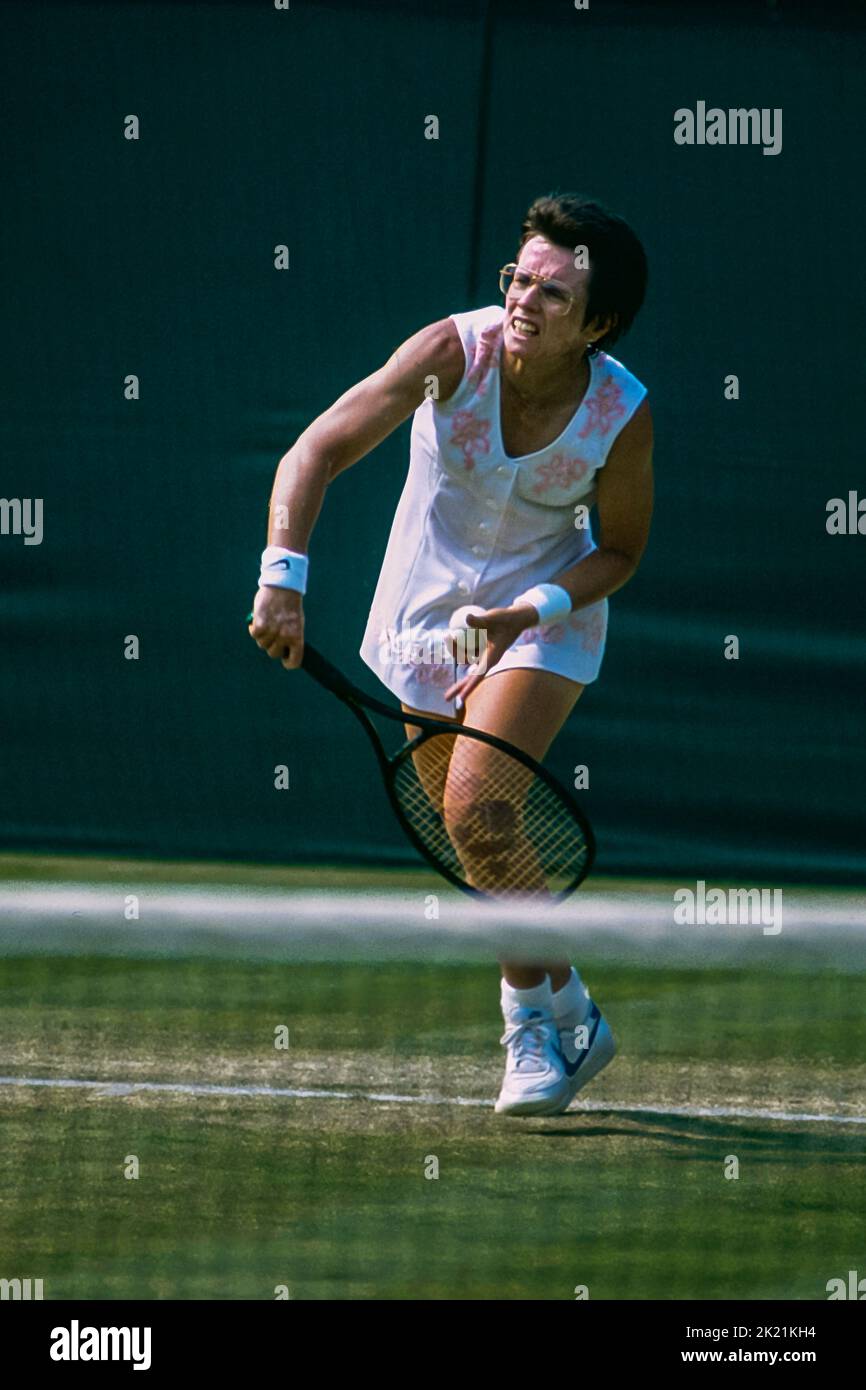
556,297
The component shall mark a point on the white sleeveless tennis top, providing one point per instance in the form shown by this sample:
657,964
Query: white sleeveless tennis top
475,526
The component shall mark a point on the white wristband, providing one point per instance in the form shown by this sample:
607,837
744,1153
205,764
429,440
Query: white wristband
283,569
551,601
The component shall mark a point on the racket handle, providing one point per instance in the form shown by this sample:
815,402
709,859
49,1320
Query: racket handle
321,670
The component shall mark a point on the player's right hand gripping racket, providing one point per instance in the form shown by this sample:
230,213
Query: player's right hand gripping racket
487,816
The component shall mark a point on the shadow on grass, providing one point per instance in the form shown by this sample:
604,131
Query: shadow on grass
697,1138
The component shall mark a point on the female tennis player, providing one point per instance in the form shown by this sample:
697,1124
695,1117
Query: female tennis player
522,423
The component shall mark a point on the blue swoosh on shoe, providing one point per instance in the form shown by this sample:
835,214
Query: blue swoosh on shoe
572,1067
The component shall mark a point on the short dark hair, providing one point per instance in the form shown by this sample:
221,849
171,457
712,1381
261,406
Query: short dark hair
617,260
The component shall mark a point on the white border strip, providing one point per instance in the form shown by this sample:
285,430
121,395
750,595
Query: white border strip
828,929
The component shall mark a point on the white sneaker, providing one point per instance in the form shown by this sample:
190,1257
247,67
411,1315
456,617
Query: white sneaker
535,1078
584,1053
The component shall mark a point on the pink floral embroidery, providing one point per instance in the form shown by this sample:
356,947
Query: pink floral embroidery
590,626
560,472
434,674
602,408
485,349
547,632
471,435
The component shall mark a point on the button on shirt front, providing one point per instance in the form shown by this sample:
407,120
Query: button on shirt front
474,526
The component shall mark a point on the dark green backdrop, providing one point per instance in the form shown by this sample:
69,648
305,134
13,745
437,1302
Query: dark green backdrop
155,257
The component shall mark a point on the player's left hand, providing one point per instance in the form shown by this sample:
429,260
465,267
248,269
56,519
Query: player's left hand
502,627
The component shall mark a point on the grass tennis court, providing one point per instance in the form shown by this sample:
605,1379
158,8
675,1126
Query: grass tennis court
242,1191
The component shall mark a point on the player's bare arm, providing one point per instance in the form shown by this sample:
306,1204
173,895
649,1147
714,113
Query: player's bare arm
624,507
344,434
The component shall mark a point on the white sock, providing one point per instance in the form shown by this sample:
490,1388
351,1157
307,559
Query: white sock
572,1001
539,997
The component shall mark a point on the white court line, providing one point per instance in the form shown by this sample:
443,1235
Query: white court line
180,1088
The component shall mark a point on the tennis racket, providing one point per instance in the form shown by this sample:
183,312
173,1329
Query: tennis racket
483,813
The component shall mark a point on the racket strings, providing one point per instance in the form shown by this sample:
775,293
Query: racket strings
507,839
494,823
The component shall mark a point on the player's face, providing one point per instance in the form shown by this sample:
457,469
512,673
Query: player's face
532,328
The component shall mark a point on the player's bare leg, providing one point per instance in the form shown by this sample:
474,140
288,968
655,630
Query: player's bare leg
431,766
555,1036
528,708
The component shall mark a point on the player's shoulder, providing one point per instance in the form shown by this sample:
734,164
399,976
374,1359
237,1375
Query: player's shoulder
447,347
444,340
627,402
439,350
436,345
619,373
